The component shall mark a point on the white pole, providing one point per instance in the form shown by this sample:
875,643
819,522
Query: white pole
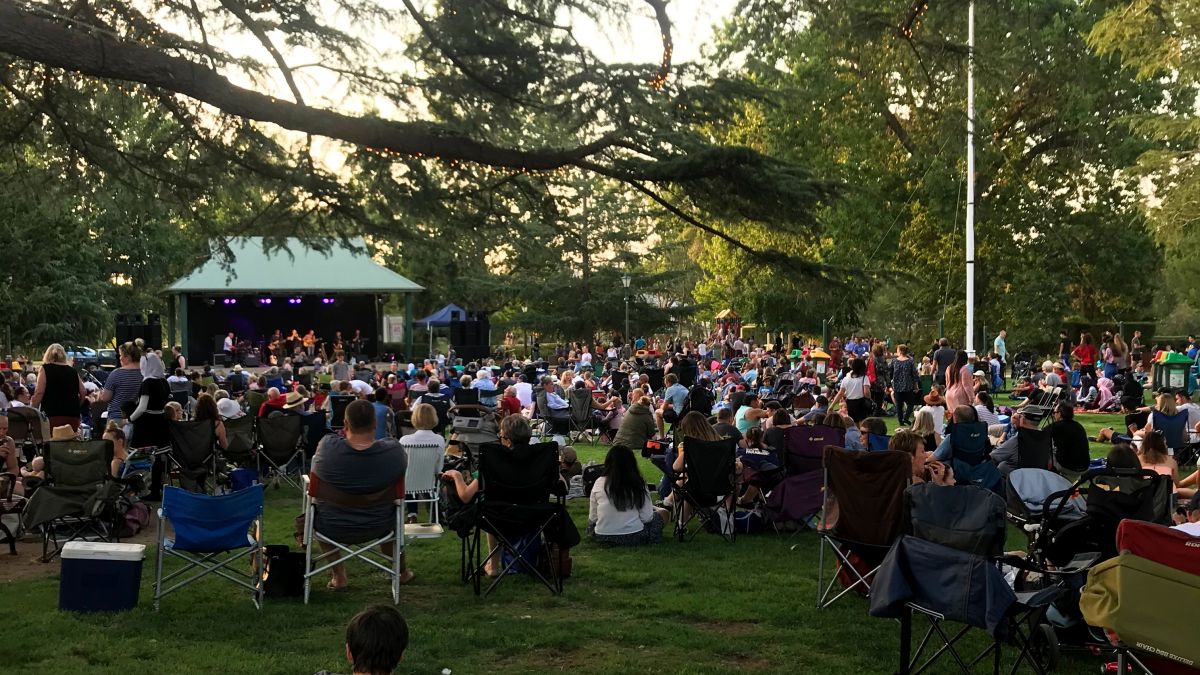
970,343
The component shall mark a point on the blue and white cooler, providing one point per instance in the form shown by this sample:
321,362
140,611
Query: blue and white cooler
100,576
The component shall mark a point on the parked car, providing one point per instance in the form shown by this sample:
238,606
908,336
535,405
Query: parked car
82,356
107,358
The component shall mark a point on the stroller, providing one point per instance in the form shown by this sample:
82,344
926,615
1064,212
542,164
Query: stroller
1066,542
1022,364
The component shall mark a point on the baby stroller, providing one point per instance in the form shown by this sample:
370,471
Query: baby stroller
1067,544
1021,365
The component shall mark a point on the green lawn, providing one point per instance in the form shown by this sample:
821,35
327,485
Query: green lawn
699,607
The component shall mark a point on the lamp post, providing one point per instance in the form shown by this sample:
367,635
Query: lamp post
625,279
525,308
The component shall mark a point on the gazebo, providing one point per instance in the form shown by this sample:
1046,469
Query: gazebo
293,286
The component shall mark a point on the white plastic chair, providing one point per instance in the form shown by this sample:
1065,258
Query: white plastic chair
421,487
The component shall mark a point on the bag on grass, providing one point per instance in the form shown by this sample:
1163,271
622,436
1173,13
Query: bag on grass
283,570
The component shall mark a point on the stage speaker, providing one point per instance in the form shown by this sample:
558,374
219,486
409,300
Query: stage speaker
125,333
218,344
456,332
152,335
218,358
251,361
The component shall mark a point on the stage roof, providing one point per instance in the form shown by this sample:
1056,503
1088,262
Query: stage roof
305,270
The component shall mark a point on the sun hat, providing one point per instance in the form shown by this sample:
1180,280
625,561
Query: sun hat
294,400
237,368
934,399
63,433
980,373
229,409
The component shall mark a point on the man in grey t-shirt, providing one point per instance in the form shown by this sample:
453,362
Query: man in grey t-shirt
362,467
943,358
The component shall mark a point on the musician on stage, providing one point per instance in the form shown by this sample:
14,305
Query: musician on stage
310,344
228,348
293,341
356,342
337,342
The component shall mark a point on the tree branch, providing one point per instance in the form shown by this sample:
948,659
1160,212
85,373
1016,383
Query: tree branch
31,37
265,40
664,27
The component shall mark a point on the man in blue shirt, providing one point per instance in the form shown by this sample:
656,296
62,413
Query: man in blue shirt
673,397
639,343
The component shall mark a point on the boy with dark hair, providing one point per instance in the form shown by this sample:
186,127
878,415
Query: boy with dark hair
375,641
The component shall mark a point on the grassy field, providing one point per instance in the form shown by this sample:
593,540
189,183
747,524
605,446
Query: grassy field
699,607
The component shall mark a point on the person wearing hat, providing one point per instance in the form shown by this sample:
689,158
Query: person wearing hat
980,382
935,405
1188,522
150,424
229,409
293,403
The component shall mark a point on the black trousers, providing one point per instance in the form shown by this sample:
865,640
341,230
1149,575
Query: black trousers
906,404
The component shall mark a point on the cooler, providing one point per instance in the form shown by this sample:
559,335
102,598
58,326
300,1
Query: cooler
100,576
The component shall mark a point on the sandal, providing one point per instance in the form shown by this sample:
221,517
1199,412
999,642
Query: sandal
337,589
407,577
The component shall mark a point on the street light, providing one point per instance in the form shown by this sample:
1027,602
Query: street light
625,279
524,309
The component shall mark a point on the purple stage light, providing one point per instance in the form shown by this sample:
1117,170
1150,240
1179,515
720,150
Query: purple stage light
264,301
327,301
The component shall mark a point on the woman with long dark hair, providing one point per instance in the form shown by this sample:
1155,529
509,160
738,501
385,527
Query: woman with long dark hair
619,508
960,389
206,409
855,390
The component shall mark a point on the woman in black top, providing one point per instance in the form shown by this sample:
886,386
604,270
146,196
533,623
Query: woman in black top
59,391
149,423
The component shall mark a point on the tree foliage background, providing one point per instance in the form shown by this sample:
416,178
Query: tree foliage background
811,167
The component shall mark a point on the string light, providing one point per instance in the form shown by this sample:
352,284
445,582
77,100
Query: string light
913,21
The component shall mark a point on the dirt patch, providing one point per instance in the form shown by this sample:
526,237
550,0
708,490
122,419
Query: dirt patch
748,664
27,564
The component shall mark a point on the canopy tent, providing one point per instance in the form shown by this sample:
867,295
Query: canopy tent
443,317
295,285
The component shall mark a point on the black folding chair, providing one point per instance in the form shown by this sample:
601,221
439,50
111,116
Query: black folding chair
522,506
1035,449
706,487
193,454
279,447
337,411
239,441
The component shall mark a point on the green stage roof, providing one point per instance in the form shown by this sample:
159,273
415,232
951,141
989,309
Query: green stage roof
296,269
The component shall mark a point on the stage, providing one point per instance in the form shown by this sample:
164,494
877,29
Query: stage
256,293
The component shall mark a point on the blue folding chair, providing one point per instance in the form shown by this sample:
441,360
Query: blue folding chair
1173,427
211,533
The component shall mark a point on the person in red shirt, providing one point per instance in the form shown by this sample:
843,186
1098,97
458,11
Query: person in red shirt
1086,352
275,401
509,403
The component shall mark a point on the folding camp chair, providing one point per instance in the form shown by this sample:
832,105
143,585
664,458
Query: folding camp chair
1174,429
868,489
798,497
945,584
279,446
29,429
421,487
1035,449
964,517
10,505
970,450
522,506
315,428
254,401
466,403
211,534
370,551
706,487
337,410
193,454
78,496
550,425
239,441
581,418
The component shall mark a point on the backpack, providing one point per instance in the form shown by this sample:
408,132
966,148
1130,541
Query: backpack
591,473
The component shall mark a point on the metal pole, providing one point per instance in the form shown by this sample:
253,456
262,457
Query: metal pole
824,333
627,338
970,343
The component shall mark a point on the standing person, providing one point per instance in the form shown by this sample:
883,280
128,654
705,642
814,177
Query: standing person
943,358
150,427
122,385
1064,349
1136,348
59,391
959,382
880,377
855,390
1086,352
905,385
835,353
1117,356
1001,349
177,359
228,347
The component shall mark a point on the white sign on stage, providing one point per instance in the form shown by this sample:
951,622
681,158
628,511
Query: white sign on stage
393,328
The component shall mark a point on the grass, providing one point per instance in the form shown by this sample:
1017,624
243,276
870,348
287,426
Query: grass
699,607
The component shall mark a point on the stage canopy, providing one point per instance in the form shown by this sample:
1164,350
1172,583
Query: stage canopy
296,286
443,317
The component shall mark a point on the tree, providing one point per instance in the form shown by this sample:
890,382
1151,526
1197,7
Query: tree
874,97
502,92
